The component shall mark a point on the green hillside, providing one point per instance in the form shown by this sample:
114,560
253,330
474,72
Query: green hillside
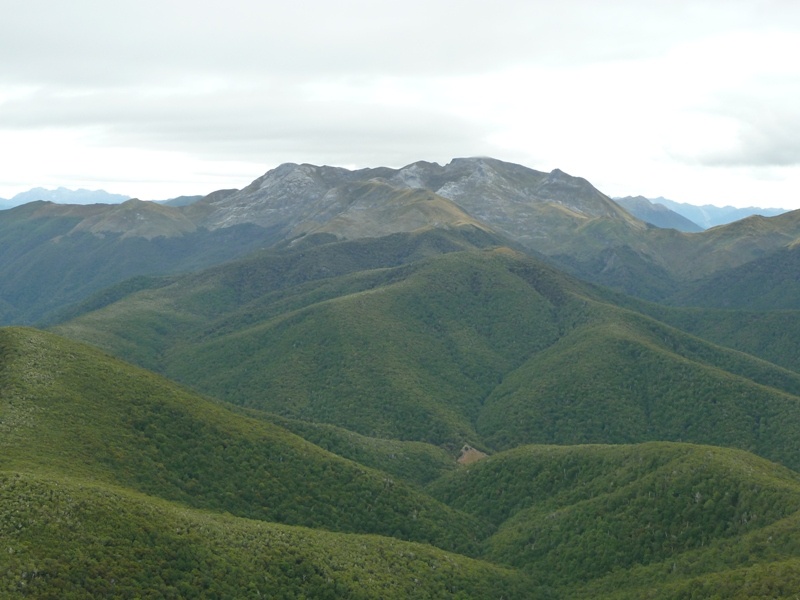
625,379
67,409
67,539
117,483
484,347
773,335
618,520
767,283
383,351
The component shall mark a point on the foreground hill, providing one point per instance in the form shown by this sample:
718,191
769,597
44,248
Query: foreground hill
115,482
482,347
69,410
654,520
66,538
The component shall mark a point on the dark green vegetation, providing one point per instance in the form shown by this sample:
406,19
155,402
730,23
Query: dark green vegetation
332,387
444,343
485,347
64,538
72,410
573,515
85,437
116,483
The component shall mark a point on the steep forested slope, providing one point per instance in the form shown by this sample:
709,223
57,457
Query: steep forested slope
66,538
114,482
619,520
485,347
70,410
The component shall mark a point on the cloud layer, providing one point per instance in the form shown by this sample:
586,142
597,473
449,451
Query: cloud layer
658,98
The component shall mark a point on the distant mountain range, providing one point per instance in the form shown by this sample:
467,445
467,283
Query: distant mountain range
471,380
689,217
64,195
657,214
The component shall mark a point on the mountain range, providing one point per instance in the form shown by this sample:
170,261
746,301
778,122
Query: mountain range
554,215
469,380
688,217
63,195
657,214
708,216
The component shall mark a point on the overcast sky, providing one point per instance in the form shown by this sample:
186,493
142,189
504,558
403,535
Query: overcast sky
694,101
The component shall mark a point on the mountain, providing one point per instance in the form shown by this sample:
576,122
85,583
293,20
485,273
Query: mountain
508,198
553,214
54,255
180,200
657,214
710,216
63,195
76,250
478,346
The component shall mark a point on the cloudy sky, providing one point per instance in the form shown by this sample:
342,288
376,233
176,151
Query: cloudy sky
694,101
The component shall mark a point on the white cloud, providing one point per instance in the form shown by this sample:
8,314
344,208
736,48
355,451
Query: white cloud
634,96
